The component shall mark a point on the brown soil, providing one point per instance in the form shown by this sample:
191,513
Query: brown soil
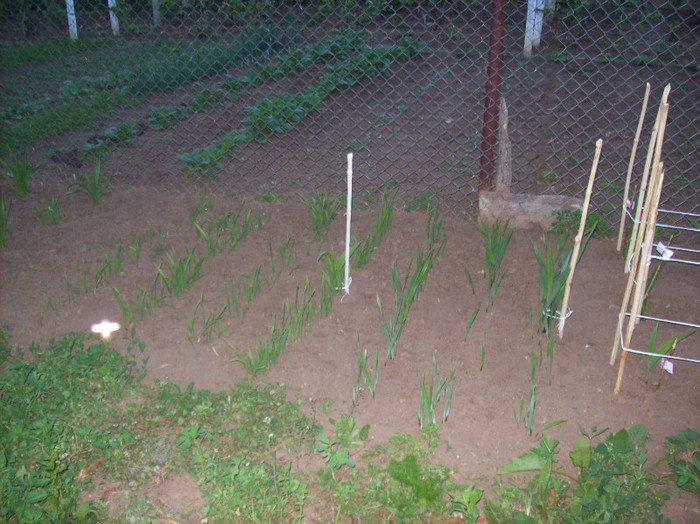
322,366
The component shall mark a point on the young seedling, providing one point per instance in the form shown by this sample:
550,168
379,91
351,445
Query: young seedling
430,396
380,227
91,185
112,264
288,254
665,348
213,245
332,276
184,272
17,172
323,211
49,213
471,320
496,240
240,225
363,373
211,324
554,271
4,216
298,318
252,285
135,251
406,291
469,279
532,399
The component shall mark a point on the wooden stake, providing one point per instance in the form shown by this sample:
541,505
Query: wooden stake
653,157
641,217
579,237
635,144
643,269
633,268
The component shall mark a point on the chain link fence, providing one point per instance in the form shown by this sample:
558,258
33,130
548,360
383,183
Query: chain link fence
268,96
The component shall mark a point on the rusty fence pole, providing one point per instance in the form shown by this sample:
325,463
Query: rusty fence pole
493,93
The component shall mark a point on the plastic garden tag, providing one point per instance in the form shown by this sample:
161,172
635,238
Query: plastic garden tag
666,365
665,252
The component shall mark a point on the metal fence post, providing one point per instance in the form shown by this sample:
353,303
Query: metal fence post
493,91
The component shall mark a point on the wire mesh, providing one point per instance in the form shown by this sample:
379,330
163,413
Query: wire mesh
268,96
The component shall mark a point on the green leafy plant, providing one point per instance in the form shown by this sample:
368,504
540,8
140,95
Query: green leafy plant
167,116
613,483
42,427
91,185
18,170
430,395
336,452
496,240
409,473
566,223
682,452
278,114
464,502
323,211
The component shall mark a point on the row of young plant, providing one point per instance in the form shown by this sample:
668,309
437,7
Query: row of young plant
296,318
278,114
337,46
158,70
18,170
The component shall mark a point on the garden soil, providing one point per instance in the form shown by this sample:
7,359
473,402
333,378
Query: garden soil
492,364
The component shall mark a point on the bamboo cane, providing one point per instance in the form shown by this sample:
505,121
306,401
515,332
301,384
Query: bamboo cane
579,237
633,268
651,159
641,216
635,144
651,227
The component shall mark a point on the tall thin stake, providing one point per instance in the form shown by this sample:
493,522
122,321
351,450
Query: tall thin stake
653,158
644,206
348,224
635,144
643,272
579,237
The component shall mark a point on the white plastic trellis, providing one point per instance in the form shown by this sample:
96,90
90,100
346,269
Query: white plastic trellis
640,251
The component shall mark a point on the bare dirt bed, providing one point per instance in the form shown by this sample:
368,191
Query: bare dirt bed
480,434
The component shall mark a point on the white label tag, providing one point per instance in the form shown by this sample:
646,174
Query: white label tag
665,252
667,365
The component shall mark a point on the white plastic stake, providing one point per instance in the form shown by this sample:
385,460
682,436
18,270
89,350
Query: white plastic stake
72,24
113,20
348,223
156,12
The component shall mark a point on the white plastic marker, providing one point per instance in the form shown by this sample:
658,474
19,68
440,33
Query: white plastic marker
348,223
105,328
